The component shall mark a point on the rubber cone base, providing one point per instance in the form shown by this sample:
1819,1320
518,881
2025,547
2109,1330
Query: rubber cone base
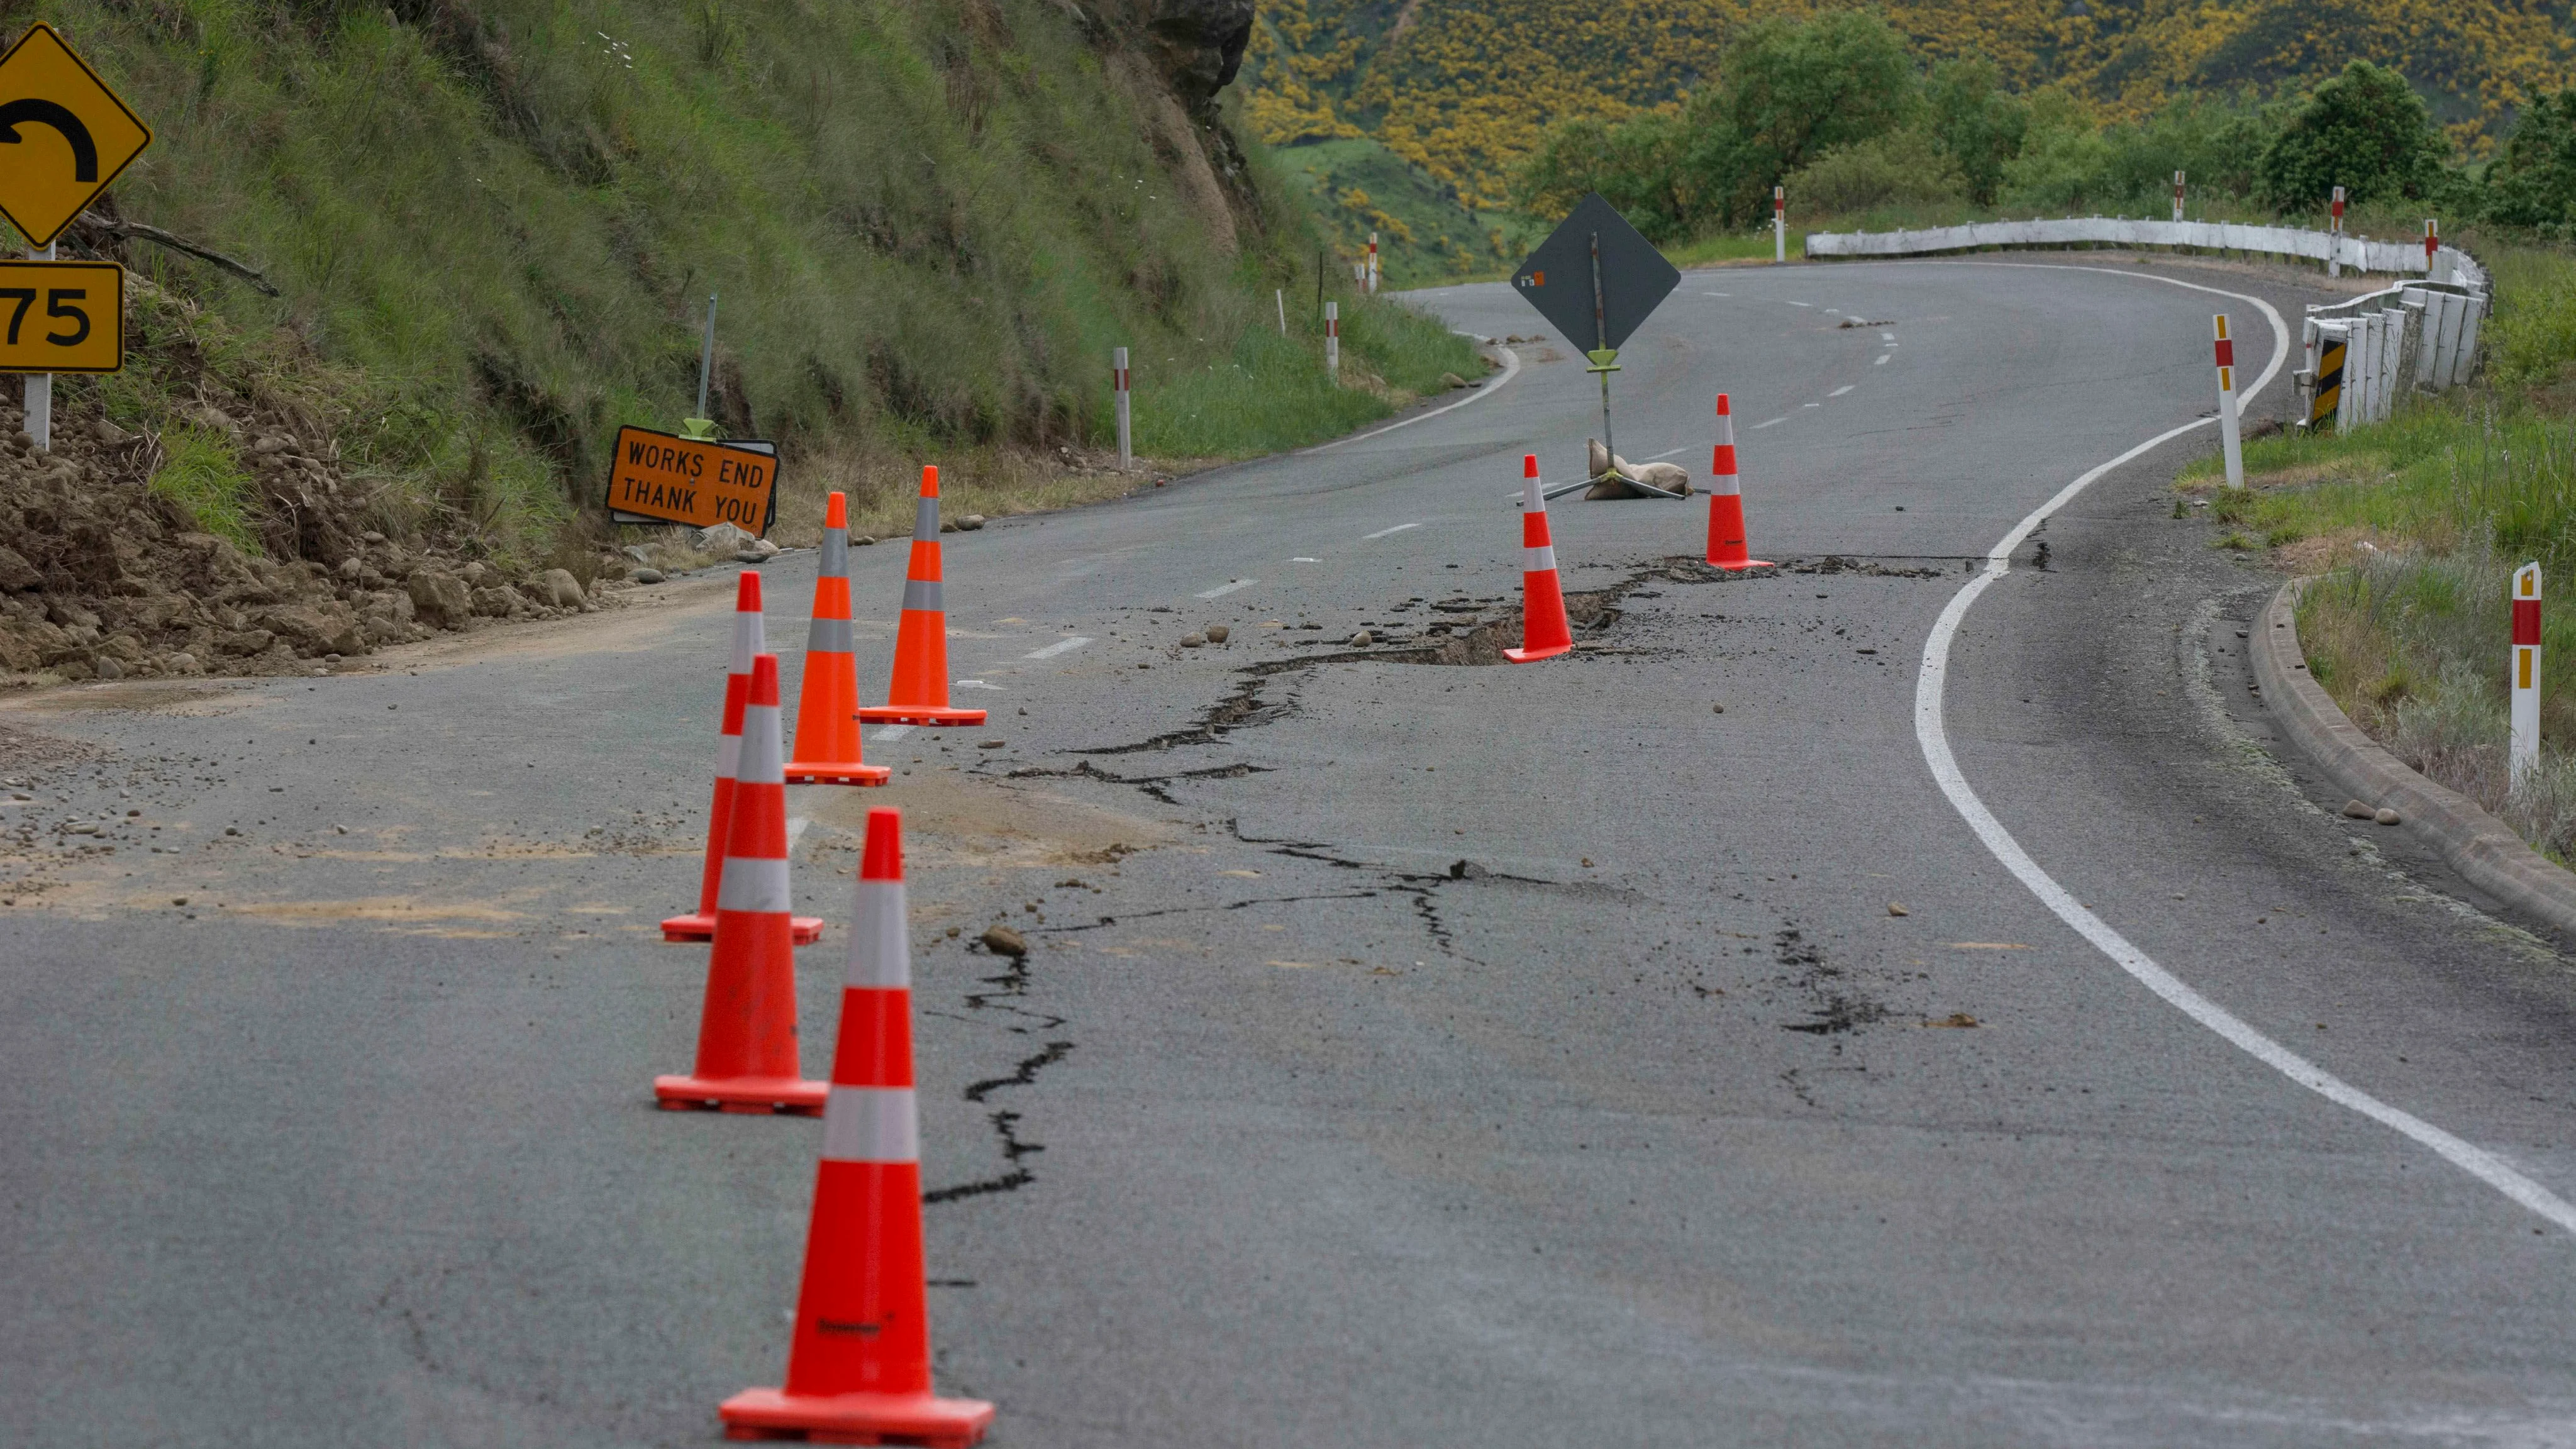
919,714
800,773
1751,563
1532,656
855,1418
784,1095
694,927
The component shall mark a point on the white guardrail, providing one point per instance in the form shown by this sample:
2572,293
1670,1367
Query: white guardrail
2358,354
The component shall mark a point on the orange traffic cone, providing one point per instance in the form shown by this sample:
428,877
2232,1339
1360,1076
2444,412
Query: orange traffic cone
827,702
1726,548
919,693
747,1031
747,642
858,1367
1544,631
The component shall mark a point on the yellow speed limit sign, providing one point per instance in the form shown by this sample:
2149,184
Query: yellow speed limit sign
62,317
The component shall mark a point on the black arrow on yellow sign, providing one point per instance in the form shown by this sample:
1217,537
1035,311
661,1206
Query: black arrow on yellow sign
47,113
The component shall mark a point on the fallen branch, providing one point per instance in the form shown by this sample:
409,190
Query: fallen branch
92,221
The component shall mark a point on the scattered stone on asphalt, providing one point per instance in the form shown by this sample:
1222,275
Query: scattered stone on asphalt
1216,633
1465,870
1717,709
1894,909
863,539
971,522
1363,639
990,745
2386,817
722,538
646,576
2358,811
1193,641
1003,941
1954,1019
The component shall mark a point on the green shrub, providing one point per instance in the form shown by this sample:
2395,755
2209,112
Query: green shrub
202,473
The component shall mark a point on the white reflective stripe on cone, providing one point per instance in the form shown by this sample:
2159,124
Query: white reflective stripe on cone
728,755
760,762
1533,497
922,595
880,952
1724,483
753,885
925,521
747,641
1539,560
870,1124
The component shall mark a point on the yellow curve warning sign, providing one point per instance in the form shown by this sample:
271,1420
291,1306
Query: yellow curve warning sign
63,135
665,478
62,316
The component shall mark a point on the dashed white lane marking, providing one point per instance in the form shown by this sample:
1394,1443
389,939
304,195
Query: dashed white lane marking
1301,558
1930,733
1799,304
1880,360
1381,533
893,732
1838,392
1717,294
1833,311
1887,337
1511,369
1811,405
1668,452
1219,592
1757,427
1065,645
979,684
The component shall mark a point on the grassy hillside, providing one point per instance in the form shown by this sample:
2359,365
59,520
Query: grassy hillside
493,226
1426,233
1465,88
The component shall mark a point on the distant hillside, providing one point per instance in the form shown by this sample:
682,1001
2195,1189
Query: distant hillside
1464,88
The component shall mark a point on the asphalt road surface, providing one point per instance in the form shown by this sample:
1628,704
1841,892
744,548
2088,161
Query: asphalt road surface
1410,1053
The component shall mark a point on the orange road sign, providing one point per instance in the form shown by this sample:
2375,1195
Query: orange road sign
665,478
63,135
62,317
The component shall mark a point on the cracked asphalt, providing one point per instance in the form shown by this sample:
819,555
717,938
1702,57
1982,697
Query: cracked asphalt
1410,1051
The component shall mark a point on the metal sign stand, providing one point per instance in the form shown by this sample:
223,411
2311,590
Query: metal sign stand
700,426
40,385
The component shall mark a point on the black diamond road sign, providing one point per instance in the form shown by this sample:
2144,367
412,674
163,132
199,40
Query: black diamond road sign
1557,278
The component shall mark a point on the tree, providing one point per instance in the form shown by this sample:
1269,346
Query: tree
2533,183
2364,130
1795,91
1976,124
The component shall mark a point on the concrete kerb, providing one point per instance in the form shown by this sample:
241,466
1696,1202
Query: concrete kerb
2476,844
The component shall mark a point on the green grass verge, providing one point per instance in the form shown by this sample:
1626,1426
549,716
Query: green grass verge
202,473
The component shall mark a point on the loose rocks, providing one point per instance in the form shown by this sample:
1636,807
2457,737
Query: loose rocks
1363,639
2386,817
1216,633
722,538
2354,809
971,522
1003,941
1193,641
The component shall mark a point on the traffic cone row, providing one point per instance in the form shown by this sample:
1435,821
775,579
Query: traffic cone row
747,1028
700,925
1545,632
827,703
858,1361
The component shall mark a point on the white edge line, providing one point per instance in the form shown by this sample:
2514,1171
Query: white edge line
1757,427
1929,732
1511,369
1838,392
1219,592
1668,452
1381,533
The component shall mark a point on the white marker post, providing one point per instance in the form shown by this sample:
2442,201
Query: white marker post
1126,429
1333,342
2334,229
2177,196
40,386
2525,750
2432,244
1280,295
1372,265
2230,441
1779,223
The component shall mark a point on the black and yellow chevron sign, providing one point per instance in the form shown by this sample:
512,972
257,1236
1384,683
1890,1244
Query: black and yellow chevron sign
2329,393
63,135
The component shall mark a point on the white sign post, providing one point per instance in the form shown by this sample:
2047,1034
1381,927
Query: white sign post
40,386
1779,223
1333,342
2230,438
2177,196
1126,432
2524,753
2334,228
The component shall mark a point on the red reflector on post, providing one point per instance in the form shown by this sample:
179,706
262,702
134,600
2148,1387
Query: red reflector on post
2526,621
